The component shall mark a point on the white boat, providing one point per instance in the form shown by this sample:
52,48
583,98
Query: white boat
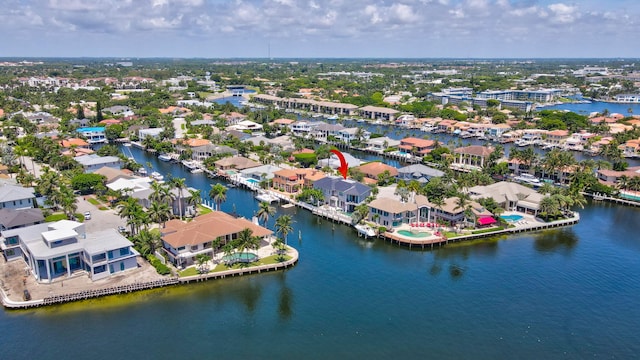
528,179
266,197
164,157
142,171
126,144
361,120
365,230
157,176
189,164
333,117
196,171
522,142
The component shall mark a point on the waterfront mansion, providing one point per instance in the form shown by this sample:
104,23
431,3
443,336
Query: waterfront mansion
63,249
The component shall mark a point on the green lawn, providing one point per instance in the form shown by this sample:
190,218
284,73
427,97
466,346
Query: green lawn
273,259
55,217
189,272
203,210
93,201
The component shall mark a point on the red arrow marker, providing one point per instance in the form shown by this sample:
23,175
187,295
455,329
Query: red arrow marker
344,168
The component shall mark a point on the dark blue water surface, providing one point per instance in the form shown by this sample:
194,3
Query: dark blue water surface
567,293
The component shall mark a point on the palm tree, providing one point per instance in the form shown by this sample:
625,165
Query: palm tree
246,240
148,241
159,212
201,260
194,199
218,194
439,203
130,209
361,212
284,226
179,183
160,192
265,211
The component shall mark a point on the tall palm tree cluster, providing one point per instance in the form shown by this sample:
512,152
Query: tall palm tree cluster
58,191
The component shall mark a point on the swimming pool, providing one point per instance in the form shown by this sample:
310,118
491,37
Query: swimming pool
629,196
414,235
512,218
253,181
240,257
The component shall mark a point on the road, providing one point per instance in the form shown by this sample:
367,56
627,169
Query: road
100,219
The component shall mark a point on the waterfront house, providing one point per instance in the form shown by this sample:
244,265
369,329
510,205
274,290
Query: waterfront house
418,172
179,199
348,135
557,137
16,197
380,144
374,169
303,128
612,177
471,158
416,147
578,141
260,173
93,162
294,180
333,162
14,219
405,120
631,148
282,124
64,249
378,113
495,131
390,212
326,132
235,163
510,196
150,132
201,149
182,242
450,213
284,142
446,126
112,174
342,194
94,135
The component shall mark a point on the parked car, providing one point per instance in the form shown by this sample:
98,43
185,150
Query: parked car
26,296
87,215
122,229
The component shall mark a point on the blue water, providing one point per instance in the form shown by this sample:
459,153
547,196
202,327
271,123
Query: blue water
596,106
253,181
511,218
568,293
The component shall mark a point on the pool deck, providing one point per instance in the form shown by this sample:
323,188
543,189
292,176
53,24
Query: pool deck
526,224
414,241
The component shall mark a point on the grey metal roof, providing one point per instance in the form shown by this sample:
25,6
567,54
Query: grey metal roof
421,169
93,159
10,218
346,186
13,192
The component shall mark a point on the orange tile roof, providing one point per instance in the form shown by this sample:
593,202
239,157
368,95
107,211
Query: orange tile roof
475,150
376,168
73,141
208,227
412,141
192,142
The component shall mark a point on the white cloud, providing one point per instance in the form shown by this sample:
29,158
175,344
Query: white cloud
563,13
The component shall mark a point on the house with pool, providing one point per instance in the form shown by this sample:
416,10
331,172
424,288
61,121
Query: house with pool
452,214
94,135
510,196
342,194
391,212
183,241
63,249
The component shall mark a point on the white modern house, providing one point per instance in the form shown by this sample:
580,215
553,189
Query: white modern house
16,197
94,135
63,249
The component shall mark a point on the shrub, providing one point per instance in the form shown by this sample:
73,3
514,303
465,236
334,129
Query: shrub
161,268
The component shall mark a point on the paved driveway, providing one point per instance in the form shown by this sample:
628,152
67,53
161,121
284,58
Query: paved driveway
100,219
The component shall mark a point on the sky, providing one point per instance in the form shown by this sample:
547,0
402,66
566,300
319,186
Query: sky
320,28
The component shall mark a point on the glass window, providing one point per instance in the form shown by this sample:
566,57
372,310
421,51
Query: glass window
124,251
99,269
